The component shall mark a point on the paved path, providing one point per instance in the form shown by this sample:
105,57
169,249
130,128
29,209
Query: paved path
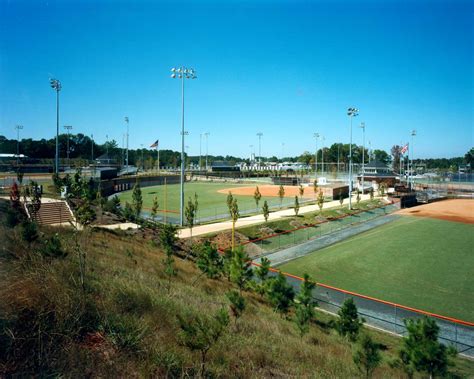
257,219
294,252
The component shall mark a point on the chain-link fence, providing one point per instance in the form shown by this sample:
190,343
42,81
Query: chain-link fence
305,233
389,316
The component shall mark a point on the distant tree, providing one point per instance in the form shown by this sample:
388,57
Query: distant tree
237,303
154,209
240,268
190,212
297,206
137,199
200,333
468,157
257,196
396,153
320,201
367,356
382,188
305,305
382,156
421,351
20,174
281,194
209,260
348,324
266,211
280,293
234,214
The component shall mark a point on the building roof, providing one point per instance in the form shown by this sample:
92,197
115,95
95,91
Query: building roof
376,164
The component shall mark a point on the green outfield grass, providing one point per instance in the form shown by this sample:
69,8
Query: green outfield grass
418,262
211,202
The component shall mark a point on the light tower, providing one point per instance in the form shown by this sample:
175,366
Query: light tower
413,134
351,112
56,85
18,127
362,126
126,141
182,73
316,136
259,134
207,134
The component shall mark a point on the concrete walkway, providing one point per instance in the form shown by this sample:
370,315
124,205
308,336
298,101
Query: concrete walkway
258,219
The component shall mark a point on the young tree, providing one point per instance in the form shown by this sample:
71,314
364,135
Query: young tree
229,201
137,199
305,305
280,293
320,201
191,211
167,240
154,209
257,196
209,260
421,351
349,323
281,194
240,268
237,304
262,274
341,198
234,214
35,198
367,356
15,197
297,206
85,214
200,333
301,189
266,211
315,187
371,193
358,197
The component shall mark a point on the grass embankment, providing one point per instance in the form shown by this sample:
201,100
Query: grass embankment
418,262
123,323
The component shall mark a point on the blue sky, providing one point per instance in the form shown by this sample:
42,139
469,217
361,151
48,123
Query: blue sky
284,68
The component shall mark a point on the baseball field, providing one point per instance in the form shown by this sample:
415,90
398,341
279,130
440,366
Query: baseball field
424,260
212,197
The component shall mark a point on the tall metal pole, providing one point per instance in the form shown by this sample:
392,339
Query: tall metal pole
351,112
92,148
259,134
322,155
362,125
316,136
338,147
200,150
207,147
56,85
412,181
126,140
18,127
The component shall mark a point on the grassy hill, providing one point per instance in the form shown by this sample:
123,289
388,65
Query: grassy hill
123,321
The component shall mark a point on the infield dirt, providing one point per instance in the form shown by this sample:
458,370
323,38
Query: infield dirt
459,210
270,191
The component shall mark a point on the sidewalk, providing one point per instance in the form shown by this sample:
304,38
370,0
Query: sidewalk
257,219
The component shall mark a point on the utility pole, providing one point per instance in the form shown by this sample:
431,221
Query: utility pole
351,112
362,125
56,85
126,154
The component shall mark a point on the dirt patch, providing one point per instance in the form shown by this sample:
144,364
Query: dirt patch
459,210
270,191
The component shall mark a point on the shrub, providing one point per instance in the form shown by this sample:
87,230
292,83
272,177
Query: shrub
29,231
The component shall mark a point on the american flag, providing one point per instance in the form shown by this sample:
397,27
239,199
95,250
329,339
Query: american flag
155,144
404,149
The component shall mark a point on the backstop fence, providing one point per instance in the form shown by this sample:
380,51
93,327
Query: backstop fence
389,316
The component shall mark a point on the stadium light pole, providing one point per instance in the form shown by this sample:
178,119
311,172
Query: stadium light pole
316,136
413,134
56,85
322,154
207,134
200,150
182,73
18,127
362,125
126,141
351,112
68,128
259,134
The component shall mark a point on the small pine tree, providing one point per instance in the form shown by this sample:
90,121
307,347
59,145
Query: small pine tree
200,333
229,201
190,212
301,189
341,198
367,356
257,196
234,214
137,200
240,268
421,351
297,206
358,196
154,209
371,193
15,197
237,304
167,240
209,260
266,211
261,272
349,323
281,194
305,305
315,187
280,293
